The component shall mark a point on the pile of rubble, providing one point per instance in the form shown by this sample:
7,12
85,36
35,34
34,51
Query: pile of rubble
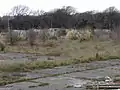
101,83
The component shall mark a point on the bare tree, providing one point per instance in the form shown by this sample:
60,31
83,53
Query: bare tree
9,36
20,10
37,12
69,9
111,14
111,10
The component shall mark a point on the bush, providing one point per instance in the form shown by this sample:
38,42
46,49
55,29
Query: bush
61,32
87,35
12,37
43,35
53,34
73,35
31,37
79,35
2,46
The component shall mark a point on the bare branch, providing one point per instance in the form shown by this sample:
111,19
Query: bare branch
20,10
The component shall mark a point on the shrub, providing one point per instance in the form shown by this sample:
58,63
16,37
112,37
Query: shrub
43,35
79,35
12,37
86,35
31,37
53,34
61,32
73,35
2,46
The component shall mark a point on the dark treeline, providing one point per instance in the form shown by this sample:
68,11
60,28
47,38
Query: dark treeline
65,17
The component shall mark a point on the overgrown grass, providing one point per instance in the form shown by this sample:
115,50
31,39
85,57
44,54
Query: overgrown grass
39,85
78,52
29,66
74,49
8,80
32,86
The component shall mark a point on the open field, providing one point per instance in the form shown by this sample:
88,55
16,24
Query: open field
61,49
24,67
69,48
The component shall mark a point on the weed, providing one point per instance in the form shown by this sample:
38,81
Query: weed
32,86
43,84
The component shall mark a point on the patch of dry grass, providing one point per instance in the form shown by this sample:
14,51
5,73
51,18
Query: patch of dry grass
72,48
29,66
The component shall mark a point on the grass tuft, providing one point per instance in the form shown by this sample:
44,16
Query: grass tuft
43,84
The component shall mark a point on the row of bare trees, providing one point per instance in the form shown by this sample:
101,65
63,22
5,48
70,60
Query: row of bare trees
65,17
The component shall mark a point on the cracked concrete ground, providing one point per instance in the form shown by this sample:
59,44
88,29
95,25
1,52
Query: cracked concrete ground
62,78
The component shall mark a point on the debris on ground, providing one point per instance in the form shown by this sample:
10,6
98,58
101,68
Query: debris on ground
108,83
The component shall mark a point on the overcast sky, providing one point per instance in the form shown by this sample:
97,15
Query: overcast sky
46,5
